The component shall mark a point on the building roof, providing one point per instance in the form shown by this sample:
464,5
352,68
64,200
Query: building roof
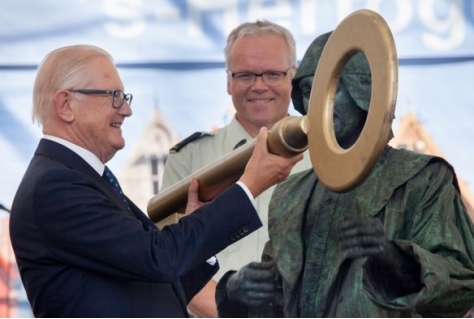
412,135
142,173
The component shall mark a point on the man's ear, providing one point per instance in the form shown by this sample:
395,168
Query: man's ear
229,86
62,104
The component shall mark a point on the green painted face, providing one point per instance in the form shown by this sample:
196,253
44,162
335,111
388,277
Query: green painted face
352,99
348,118
356,76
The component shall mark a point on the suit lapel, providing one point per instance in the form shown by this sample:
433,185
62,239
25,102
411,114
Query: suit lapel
61,154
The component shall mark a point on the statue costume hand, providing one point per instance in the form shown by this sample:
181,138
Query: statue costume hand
386,262
362,237
253,285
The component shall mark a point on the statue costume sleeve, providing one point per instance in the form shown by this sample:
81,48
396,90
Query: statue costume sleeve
418,201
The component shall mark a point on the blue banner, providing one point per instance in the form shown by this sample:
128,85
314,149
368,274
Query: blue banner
178,34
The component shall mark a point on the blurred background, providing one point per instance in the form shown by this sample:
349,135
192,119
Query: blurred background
170,57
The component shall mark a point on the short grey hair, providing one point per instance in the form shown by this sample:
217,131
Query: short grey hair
259,28
61,69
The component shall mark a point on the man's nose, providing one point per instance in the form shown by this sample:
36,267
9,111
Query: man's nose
126,109
259,83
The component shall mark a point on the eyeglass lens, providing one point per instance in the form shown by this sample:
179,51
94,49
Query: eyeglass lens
269,78
119,97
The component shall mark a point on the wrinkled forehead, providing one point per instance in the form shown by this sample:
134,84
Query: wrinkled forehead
102,71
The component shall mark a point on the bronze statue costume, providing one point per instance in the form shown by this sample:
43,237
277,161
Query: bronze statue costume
421,210
424,266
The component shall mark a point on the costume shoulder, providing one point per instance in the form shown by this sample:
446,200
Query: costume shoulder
404,164
395,168
297,188
191,138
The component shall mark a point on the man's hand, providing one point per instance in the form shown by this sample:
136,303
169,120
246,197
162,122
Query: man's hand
362,237
253,285
193,197
263,169
469,314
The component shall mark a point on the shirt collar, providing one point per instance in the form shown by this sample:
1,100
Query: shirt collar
86,155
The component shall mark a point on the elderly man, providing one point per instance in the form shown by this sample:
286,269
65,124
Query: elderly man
399,245
261,58
82,247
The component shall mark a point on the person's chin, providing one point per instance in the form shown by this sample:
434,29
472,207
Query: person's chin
119,144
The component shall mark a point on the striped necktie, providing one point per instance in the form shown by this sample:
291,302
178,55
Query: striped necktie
113,182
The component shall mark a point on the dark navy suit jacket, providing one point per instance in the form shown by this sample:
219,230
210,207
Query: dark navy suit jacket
81,253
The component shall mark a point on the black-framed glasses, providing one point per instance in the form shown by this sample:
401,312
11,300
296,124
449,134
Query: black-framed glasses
271,78
118,97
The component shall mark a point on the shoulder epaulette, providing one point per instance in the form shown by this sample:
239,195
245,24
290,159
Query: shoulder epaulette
240,143
187,140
